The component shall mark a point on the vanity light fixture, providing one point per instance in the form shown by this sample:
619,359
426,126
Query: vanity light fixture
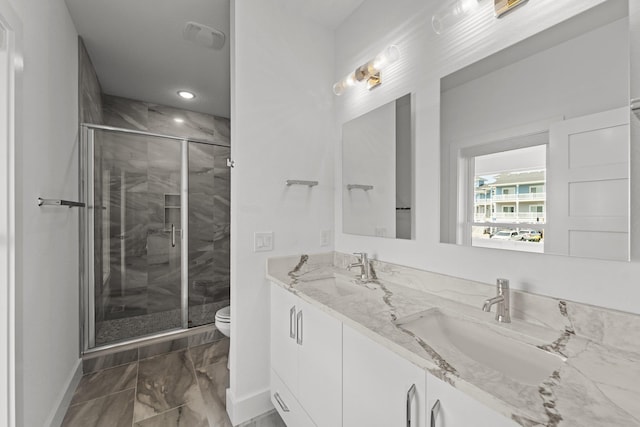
504,6
451,13
186,94
369,72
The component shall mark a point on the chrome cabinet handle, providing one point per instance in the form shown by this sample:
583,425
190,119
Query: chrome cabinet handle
280,402
435,410
173,236
410,395
292,323
299,327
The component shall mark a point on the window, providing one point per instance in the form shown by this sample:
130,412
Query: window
512,181
536,189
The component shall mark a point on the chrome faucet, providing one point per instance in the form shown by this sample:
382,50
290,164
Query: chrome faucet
502,301
365,266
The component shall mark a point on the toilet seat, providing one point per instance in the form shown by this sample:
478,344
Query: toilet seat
224,315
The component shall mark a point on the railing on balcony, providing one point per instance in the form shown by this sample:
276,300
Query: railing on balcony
511,217
522,197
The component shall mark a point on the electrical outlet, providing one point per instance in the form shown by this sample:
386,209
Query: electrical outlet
325,238
381,232
263,241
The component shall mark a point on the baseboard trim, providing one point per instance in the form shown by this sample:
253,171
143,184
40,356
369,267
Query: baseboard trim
56,418
244,409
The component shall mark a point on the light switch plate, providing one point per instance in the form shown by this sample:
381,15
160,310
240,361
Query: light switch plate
263,241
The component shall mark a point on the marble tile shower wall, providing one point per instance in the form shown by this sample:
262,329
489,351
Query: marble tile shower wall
90,92
131,114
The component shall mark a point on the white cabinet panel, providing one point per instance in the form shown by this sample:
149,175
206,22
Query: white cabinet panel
376,385
284,350
588,184
286,404
605,146
599,244
320,366
306,361
459,410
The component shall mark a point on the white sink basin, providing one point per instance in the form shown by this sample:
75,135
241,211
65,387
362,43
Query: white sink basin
446,334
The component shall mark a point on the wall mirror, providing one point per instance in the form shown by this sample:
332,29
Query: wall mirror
377,172
535,142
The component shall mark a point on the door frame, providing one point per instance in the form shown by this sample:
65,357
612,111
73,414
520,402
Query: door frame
11,64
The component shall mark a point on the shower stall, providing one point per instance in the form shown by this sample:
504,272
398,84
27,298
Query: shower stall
155,234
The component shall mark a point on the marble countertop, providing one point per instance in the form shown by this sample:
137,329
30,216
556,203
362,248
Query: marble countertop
597,382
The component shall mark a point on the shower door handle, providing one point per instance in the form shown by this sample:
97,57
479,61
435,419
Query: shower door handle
173,236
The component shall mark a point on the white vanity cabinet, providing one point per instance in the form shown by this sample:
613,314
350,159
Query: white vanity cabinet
306,362
380,388
456,409
326,374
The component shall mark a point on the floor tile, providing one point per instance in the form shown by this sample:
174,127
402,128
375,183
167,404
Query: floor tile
115,410
213,381
164,382
109,361
163,348
272,419
192,414
105,382
208,354
209,336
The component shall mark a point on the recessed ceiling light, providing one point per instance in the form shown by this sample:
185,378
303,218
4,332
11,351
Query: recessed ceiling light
186,94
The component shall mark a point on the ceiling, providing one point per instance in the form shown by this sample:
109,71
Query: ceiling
329,13
138,50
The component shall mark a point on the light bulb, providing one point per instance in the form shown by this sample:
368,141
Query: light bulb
346,82
186,94
350,80
451,13
389,55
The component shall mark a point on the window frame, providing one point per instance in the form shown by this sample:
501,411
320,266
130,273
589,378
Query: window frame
466,180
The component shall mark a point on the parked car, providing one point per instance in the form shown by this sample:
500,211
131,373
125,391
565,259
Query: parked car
532,235
506,235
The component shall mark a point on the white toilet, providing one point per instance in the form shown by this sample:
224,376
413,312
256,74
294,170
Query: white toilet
223,320
223,323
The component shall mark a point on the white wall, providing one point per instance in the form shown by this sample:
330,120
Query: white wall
426,58
282,128
47,238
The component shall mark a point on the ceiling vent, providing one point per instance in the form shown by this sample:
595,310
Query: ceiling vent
204,36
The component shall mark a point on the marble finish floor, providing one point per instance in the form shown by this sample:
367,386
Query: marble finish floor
184,388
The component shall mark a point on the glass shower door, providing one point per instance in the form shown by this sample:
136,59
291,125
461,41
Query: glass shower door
209,231
137,228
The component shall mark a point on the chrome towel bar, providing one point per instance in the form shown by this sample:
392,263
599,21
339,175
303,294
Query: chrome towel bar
58,202
291,182
359,187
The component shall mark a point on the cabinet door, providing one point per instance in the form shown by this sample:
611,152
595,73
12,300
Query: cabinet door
377,385
284,350
320,366
459,410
